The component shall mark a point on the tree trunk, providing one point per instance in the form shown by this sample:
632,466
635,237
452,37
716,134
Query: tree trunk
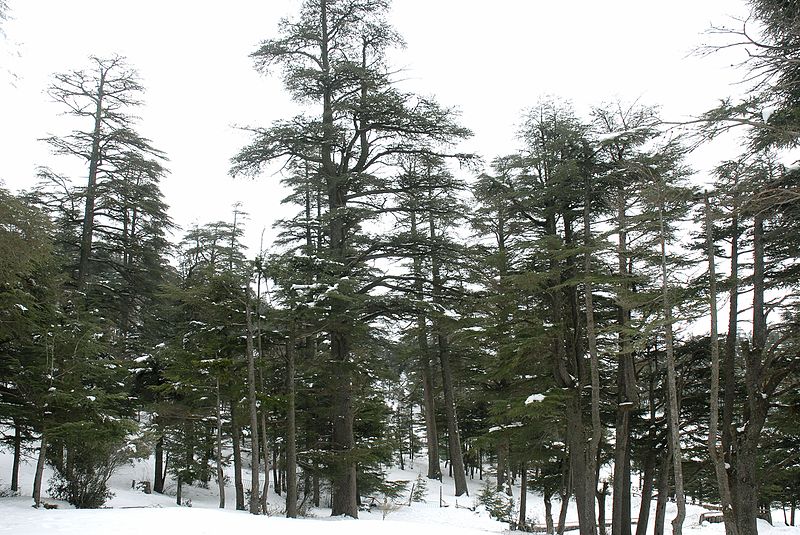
672,389
663,495
344,498
594,373
431,432
523,499
502,465
276,484
717,456
315,486
291,439
548,512
158,476
627,396
745,504
729,362
17,455
255,484
647,492
87,229
601,508
453,435
237,460
220,472
37,479
744,482
265,450
562,515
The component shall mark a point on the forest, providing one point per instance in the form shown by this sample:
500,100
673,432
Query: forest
580,317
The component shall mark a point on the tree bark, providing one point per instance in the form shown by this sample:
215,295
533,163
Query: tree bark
453,435
255,484
672,390
663,494
627,395
265,450
17,455
158,476
220,472
548,512
717,456
502,465
431,432
522,522
562,515
37,479
237,460
594,372
647,492
601,508
344,499
744,482
291,438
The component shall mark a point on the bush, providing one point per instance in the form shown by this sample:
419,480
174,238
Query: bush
84,487
84,455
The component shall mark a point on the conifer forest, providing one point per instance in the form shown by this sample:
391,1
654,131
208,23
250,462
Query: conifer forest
583,318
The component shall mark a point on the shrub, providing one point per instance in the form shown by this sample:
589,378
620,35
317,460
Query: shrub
88,453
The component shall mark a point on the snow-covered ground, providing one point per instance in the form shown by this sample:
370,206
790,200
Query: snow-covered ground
131,511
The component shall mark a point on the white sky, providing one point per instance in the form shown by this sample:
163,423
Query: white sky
489,59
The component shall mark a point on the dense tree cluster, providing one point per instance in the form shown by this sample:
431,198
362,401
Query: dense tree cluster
546,318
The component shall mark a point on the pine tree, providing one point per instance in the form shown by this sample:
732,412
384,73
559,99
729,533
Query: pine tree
334,56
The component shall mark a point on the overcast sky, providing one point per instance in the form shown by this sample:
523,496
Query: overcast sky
490,59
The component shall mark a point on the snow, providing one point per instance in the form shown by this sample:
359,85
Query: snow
22,307
534,398
131,512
